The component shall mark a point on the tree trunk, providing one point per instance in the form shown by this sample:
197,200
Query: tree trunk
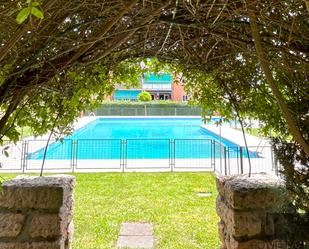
264,62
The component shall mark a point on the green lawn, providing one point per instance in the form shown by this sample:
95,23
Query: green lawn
169,201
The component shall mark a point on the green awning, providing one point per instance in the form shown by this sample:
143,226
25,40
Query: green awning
126,94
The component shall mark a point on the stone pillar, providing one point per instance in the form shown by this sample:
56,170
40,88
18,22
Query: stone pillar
36,212
247,208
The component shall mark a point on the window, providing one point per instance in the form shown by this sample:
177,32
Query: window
164,96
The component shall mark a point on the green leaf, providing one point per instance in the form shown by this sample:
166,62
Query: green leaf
34,4
36,12
22,15
6,153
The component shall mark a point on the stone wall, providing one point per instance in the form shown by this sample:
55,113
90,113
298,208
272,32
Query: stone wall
36,213
248,209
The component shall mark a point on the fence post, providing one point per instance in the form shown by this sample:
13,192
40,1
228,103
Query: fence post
273,165
24,155
73,155
214,150
123,154
241,161
228,160
213,154
225,163
172,154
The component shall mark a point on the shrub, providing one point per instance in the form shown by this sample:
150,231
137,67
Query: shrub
144,96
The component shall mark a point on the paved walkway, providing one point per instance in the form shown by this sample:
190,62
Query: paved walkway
135,235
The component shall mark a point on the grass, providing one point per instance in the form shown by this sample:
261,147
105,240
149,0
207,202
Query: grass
169,201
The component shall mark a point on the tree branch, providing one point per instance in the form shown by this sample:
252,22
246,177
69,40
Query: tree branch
264,62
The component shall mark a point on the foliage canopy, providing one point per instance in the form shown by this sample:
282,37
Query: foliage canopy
248,56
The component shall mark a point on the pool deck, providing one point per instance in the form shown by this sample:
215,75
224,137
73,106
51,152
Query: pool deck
236,136
81,122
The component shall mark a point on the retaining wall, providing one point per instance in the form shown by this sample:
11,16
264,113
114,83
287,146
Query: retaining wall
36,213
249,208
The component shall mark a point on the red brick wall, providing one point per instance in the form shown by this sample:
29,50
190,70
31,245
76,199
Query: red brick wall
177,89
109,97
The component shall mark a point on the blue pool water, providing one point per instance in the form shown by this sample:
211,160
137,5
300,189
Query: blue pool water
138,138
150,128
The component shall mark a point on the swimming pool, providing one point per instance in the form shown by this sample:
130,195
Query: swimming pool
137,138
146,128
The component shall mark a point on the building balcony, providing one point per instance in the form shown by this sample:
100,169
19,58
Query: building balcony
155,87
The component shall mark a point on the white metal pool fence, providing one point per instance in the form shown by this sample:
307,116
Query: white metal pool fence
136,155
